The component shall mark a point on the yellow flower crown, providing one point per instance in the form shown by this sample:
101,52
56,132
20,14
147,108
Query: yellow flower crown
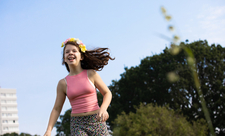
79,42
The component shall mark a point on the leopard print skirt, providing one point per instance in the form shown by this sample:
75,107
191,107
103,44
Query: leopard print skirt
87,126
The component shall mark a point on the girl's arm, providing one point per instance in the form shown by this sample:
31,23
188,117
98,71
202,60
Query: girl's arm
104,90
60,99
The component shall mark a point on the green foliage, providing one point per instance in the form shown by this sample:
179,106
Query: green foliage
25,134
63,126
152,120
147,83
10,134
15,134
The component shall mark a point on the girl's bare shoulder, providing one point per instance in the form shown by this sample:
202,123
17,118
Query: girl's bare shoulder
62,84
91,72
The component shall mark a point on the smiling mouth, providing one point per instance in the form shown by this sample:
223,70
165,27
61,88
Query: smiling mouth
71,58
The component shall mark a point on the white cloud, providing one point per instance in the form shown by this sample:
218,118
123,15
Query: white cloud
212,22
211,13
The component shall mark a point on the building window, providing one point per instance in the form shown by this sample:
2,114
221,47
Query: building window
14,121
5,121
3,101
5,128
9,114
4,108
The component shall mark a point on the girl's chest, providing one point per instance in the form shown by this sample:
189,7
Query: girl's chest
79,88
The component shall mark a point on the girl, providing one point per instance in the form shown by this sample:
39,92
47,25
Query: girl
87,118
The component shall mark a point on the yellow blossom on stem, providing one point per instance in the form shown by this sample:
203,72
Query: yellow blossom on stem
174,50
163,10
171,28
176,39
168,18
190,60
172,77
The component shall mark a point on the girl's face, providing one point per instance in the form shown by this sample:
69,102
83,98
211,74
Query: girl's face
72,55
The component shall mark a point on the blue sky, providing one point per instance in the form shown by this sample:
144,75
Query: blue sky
31,33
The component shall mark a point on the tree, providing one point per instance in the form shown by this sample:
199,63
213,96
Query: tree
10,134
148,83
152,120
63,126
25,134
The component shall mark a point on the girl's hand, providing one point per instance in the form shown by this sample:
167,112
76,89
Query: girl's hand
102,115
47,133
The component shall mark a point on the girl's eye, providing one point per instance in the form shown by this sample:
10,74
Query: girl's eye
68,51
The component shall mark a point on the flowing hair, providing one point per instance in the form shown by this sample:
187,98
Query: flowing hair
92,59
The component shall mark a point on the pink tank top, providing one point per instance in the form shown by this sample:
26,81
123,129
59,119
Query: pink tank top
81,93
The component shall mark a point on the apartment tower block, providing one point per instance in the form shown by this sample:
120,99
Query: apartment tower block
8,111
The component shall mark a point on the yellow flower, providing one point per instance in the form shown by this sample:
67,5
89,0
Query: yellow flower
62,44
82,47
72,39
83,50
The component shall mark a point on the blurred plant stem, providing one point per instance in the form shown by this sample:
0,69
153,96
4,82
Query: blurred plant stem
174,50
198,87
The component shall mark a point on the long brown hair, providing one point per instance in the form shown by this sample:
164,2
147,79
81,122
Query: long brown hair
92,59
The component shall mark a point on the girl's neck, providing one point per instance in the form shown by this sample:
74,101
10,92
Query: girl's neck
75,70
